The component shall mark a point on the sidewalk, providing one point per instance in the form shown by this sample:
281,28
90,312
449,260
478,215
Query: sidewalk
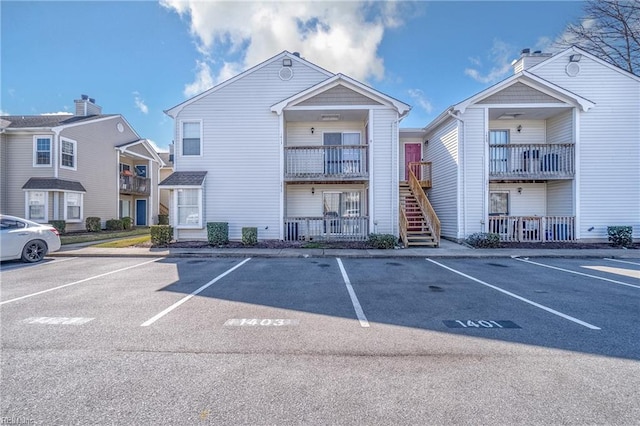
447,249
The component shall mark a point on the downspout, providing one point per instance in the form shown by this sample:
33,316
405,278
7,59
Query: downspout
281,226
54,149
463,175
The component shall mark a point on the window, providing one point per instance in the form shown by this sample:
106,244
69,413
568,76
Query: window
36,206
191,138
41,151
343,204
189,207
342,160
125,208
68,154
498,155
141,170
11,224
499,203
72,206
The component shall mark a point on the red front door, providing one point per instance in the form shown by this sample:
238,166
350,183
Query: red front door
412,154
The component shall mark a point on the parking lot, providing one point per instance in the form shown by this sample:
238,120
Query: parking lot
321,341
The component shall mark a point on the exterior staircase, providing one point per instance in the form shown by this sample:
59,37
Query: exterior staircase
418,232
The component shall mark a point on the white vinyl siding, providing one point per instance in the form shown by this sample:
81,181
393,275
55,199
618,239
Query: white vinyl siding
68,154
472,180
385,171
609,153
560,128
560,198
307,200
442,152
242,148
530,200
42,150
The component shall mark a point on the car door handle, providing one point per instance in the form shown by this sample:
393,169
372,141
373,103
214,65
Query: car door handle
23,234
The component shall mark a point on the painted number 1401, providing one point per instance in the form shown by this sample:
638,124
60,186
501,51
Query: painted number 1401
478,324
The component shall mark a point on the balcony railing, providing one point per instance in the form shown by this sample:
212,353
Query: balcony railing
533,228
326,228
335,162
532,161
134,185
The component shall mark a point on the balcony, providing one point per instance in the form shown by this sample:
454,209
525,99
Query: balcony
134,185
533,229
327,228
326,163
531,161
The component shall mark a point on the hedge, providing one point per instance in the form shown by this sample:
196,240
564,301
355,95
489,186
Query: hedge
621,236
92,224
161,235
382,241
217,233
483,240
249,236
115,225
60,225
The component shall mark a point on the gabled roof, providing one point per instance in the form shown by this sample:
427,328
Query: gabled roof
184,179
575,49
533,81
341,79
123,148
49,184
174,110
46,121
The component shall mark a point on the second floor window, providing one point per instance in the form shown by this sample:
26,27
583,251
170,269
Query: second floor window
191,138
42,151
68,154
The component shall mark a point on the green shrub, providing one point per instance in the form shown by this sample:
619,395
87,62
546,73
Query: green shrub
161,235
249,236
126,222
163,219
114,225
218,233
60,225
620,236
92,224
483,240
382,241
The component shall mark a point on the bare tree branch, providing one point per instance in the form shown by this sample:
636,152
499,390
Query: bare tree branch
609,30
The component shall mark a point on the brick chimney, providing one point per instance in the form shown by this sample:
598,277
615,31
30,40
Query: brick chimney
86,106
528,59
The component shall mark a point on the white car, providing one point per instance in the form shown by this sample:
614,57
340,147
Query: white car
26,240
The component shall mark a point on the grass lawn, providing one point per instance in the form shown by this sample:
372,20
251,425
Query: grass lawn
127,242
85,237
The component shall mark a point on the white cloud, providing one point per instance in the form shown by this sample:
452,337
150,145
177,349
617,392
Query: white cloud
140,103
339,36
156,147
500,56
57,113
419,97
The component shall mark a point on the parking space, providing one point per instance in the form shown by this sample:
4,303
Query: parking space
213,337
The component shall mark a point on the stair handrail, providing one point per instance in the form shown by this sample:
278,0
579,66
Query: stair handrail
404,226
427,210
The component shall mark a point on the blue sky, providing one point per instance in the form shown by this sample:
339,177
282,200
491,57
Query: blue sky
139,58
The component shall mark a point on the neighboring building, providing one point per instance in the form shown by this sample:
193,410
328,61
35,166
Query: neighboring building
550,154
165,171
70,167
289,148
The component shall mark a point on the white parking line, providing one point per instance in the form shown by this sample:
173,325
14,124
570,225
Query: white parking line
622,261
21,266
79,282
508,293
577,273
352,294
184,299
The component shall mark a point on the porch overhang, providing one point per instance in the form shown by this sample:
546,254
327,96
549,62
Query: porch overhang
53,184
183,180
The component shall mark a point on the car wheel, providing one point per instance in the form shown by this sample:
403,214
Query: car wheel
34,251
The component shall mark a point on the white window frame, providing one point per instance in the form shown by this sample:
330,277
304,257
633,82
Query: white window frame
35,150
179,225
122,209
27,204
66,200
181,139
75,153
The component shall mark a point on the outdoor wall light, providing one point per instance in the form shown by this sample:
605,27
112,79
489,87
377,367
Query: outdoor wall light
519,190
313,130
519,128
575,58
313,190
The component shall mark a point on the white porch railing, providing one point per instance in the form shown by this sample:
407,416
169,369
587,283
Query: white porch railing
326,228
325,162
532,161
533,228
